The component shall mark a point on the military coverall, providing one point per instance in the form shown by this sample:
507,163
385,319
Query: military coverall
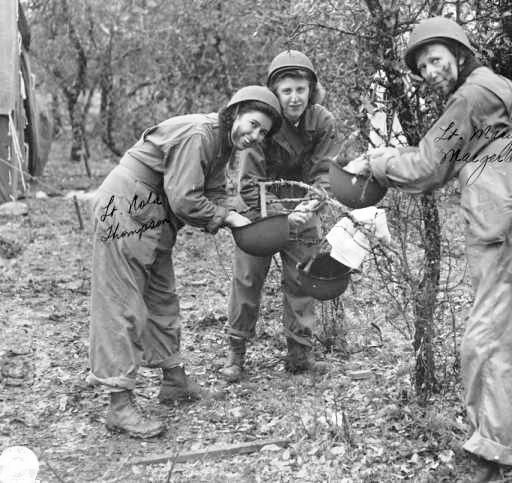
301,153
173,175
473,140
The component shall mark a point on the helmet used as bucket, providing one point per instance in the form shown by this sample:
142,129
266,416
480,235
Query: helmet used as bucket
323,277
262,94
430,30
263,237
354,191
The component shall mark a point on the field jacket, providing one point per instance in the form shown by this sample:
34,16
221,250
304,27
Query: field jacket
472,140
298,153
186,150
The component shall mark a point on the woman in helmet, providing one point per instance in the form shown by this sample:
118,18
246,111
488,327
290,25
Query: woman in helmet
174,175
472,140
300,151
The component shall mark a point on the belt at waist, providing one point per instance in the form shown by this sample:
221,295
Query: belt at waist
142,172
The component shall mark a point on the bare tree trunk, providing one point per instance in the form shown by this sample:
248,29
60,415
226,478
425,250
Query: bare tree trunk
107,105
56,116
73,91
426,295
506,17
424,301
504,55
77,131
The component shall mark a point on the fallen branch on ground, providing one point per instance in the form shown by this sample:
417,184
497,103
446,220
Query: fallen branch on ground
211,452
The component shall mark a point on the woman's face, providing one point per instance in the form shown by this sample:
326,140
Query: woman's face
293,95
438,66
249,128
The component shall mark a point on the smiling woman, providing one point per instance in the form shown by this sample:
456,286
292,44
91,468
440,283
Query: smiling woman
174,175
250,127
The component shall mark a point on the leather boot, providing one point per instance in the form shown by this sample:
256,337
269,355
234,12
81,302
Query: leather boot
176,386
234,367
300,359
125,416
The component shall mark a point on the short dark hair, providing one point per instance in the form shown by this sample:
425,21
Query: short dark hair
265,109
228,115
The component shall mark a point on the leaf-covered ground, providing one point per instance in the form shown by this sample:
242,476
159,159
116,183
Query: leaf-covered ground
359,423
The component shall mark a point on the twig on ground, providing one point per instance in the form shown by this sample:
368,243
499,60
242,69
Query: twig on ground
117,469
216,451
173,459
47,462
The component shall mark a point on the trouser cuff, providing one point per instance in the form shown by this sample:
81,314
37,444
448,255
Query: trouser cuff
113,384
488,449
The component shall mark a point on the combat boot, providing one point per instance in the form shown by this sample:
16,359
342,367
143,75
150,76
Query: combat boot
300,359
234,367
176,386
125,416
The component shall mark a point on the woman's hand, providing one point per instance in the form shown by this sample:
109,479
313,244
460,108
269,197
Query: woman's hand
235,219
384,152
359,166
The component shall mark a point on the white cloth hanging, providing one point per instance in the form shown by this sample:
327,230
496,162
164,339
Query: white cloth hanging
349,244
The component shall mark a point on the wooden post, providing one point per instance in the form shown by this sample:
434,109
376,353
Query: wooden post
11,106
5,169
78,212
9,82
9,52
85,159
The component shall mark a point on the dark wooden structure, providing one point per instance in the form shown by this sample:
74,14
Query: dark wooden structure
25,130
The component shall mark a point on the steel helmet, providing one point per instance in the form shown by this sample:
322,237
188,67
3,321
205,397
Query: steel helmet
430,30
323,277
354,191
263,237
290,59
261,94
